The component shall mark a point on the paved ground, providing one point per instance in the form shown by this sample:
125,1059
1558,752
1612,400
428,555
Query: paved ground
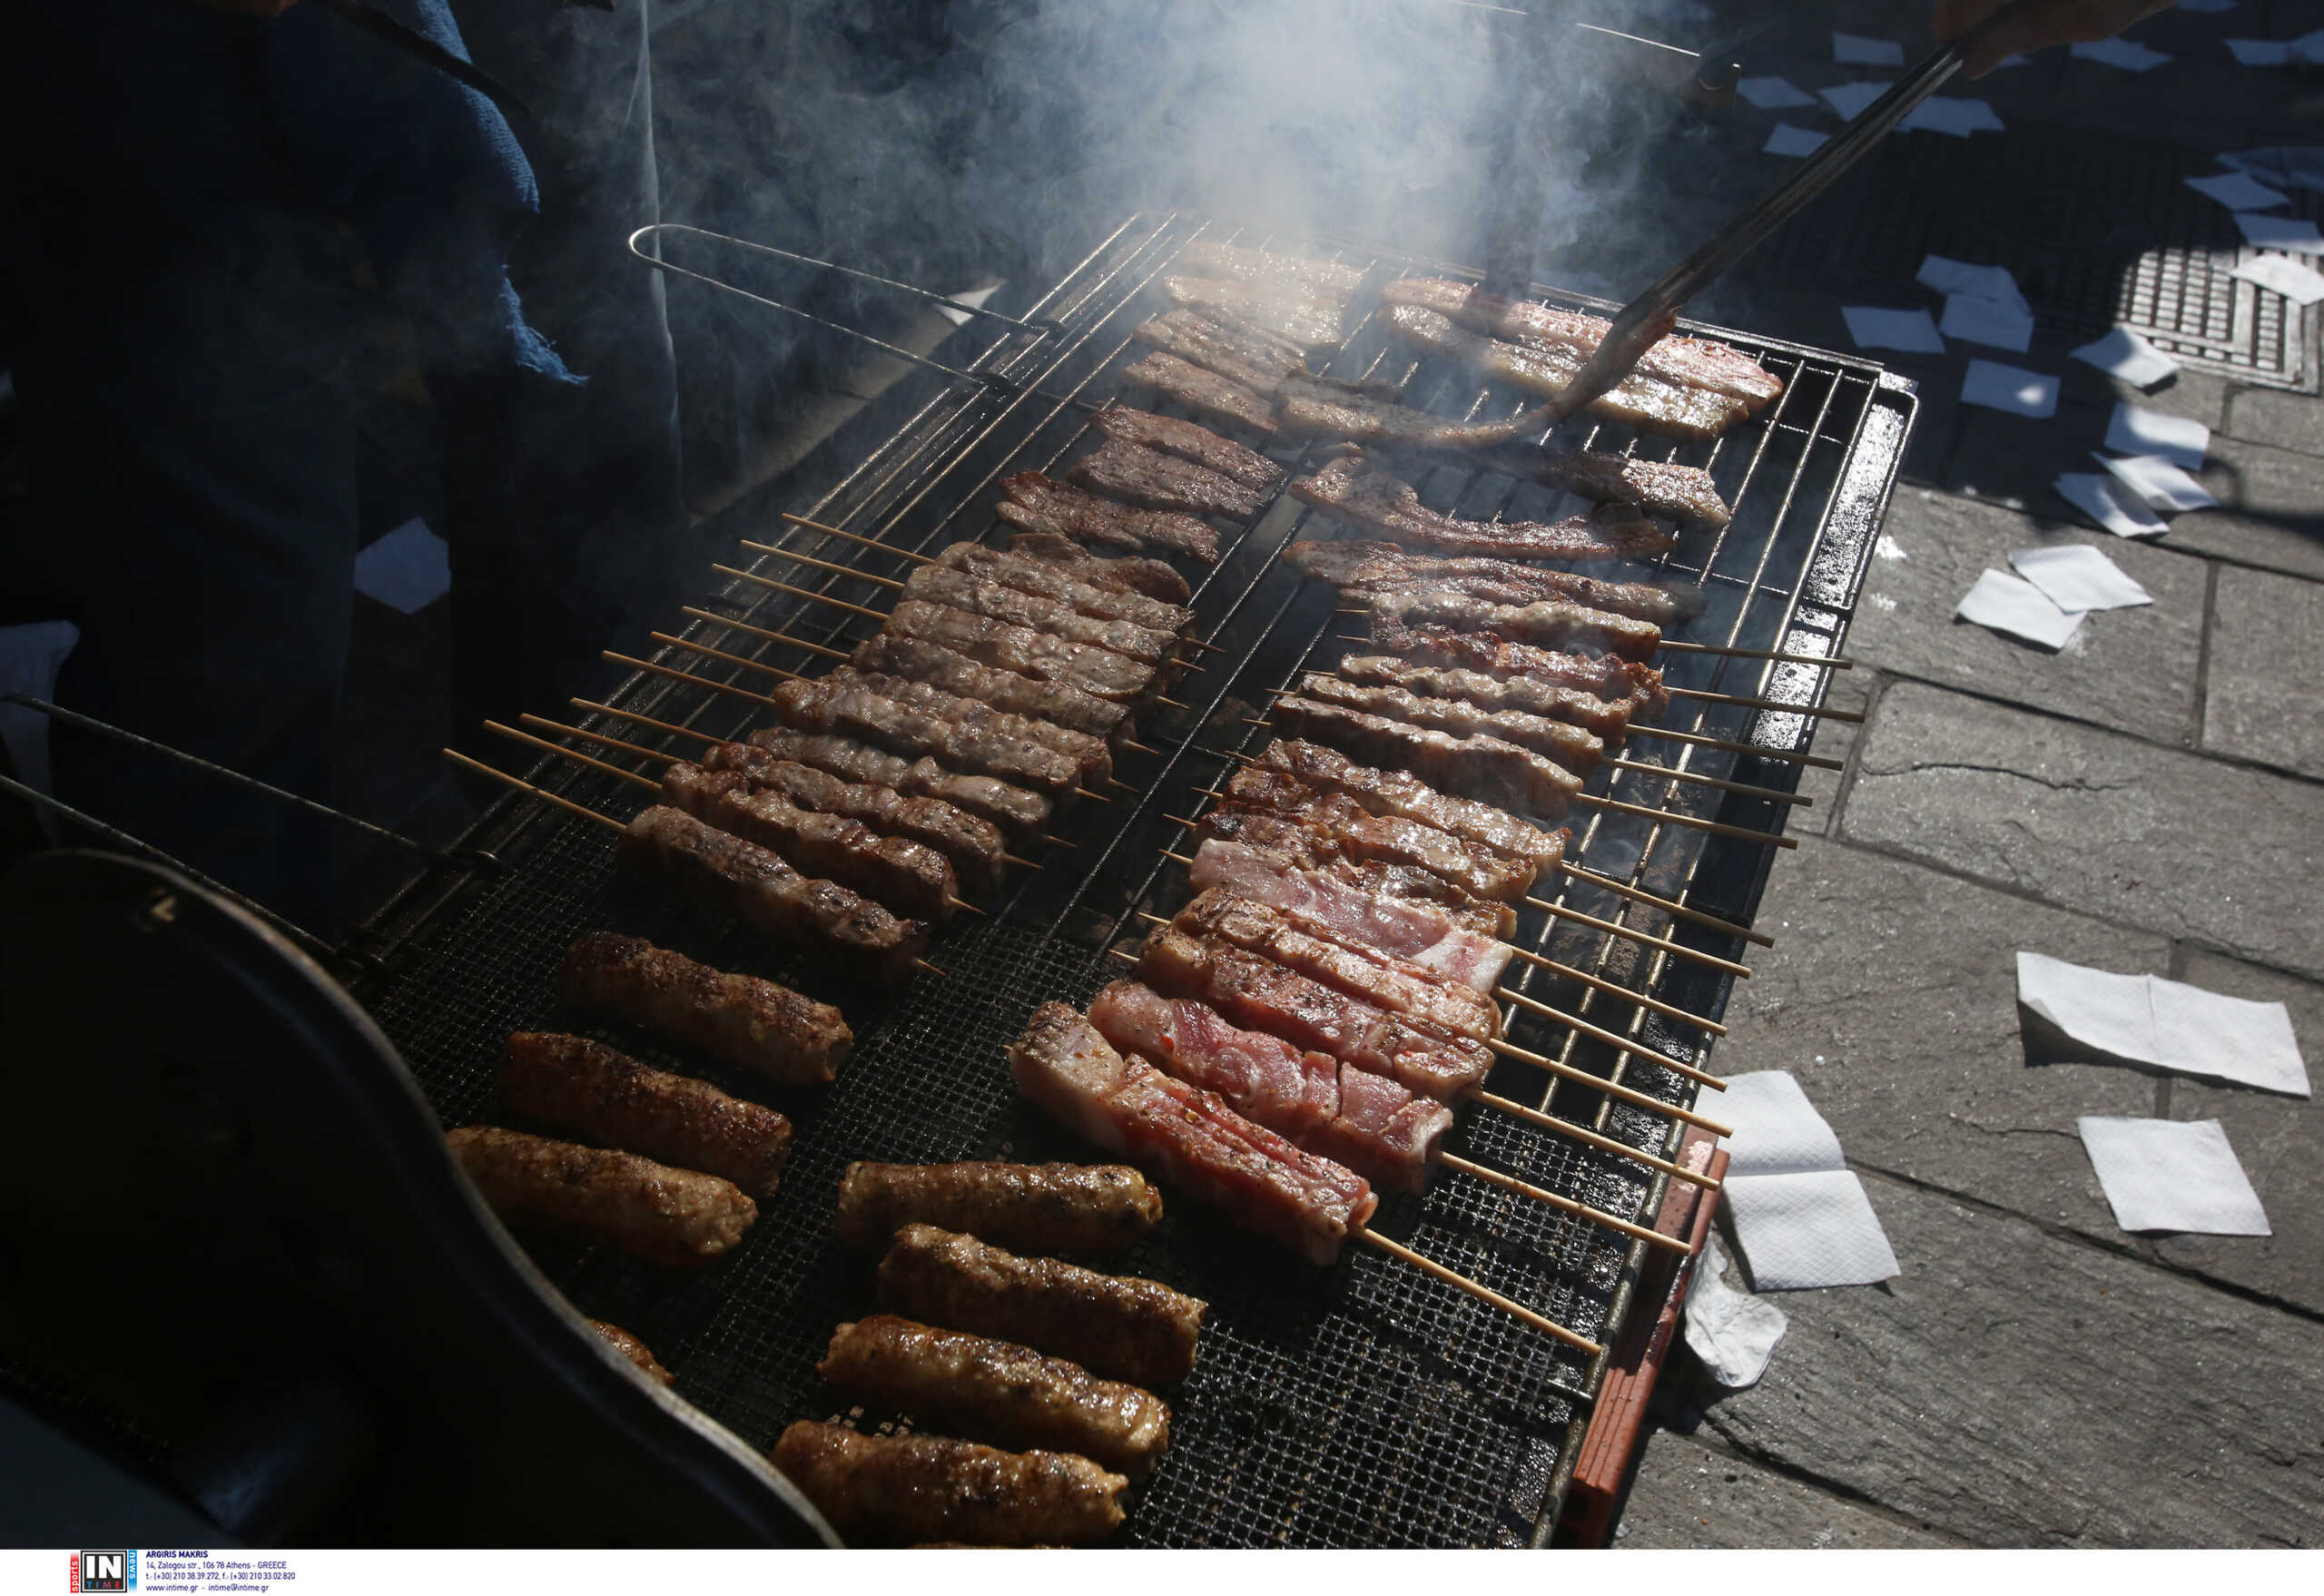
2151,800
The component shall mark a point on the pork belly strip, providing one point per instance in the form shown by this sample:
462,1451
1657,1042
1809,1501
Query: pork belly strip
1210,258
933,665
1039,504
680,1217
1398,793
979,596
1118,1325
1332,1109
588,1088
1025,651
1156,580
1319,841
1091,758
1293,312
1190,442
1657,488
1355,491
1205,393
1639,401
1602,675
1579,750
915,1488
1142,476
726,874
1022,814
1484,768
903,875
1363,565
1550,624
1004,1393
1692,362
1262,995
1188,1137
1356,833
1109,602
830,704
761,1025
1034,1207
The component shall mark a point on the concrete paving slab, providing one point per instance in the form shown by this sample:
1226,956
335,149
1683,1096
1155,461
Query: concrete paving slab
2133,669
2281,420
2194,848
2200,396
2020,1389
2011,460
1891,993
2271,510
2267,633
2274,1140
1691,1494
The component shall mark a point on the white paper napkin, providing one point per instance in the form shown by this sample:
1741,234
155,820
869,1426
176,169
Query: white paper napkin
1800,1217
2296,233
407,569
2161,486
2013,605
2125,354
2009,388
1950,114
2172,1174
2308,46
2077,578
2303,285
2126,53
2238,191
1774,94
1856,50
2260,52
1913,331
1850,99
1975,319
1783,139
1778,1131
1948,276
2182,442
2295,166
2166,1024
1733,1332
2113,508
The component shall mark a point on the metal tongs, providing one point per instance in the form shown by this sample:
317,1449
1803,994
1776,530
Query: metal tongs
1648,319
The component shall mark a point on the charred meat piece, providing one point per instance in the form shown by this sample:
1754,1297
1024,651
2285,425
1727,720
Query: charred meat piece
1343,826
1111,602
1609,721
1353,490
974,845
1205,393
1389,566
1142,475
726,874
1262,995
1190,1137
918,1488
1551,623
1017,812
1293,312
761,1026
1039,1208
1025,651
829,706
1090,754
1639,401
1657,488
1602,675
1210,258
1332,1109
1190,442
1485,768
1259,360
1397,792
1003,1392
1039,504
1569,746
1693,363
1113,1324
675,1217
941,585
937,666
906,877
587,1088
1156,580
634,1350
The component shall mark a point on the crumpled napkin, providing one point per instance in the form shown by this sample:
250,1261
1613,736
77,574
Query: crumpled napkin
1733,1332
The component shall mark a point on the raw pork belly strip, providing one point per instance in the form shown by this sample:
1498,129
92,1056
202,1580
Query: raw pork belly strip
1156,580
1262,995
1607,722
1570,747
1484,768
1692,362
1551,623
1646,403
1683,493
1246,263
941,668
1308,842
1389,566
1417,931
1113,602
1039,1208
1355,491
1147,477
1098,672
1333,1111
1090,754
918,1488
1306,316
1397,792
1039,504
1359,834
826,707
1205,393
941,585
903,874
1021,813
1190,442
1189,1136
782,1034
1602,675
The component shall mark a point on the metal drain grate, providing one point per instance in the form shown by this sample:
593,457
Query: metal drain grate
2098,231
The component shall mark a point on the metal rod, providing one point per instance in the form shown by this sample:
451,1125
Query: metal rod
1835,661
1716,828
1623,1043
1644,939
1038,328
1853,716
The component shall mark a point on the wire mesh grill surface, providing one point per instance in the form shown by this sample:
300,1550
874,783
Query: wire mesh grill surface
1359,1405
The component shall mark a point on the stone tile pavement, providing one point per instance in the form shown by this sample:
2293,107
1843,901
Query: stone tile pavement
2151,799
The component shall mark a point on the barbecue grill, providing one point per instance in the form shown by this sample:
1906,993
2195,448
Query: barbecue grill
1364,1404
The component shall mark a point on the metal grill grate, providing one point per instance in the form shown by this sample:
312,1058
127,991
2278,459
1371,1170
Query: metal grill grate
1364,1404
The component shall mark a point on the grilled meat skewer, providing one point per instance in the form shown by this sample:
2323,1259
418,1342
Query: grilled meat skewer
1039,504
961,591
1203,391
1190,442
921,1488
1485,768
1318,842
830,704
1549,623
1569,746
1338,826
905,876
675,1217
1089,595
1245,264
997,1390
1142,476
1025,651
761,1026
1353,490
1617,681
587,1088
1397,793
1156,580
1021,813
1607,722
1036,1207
934,666
1389,566
1090,756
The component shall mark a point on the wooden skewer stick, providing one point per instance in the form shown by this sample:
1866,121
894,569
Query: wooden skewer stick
808,559
1137,748
804,593
1643,938
1604,1144
1771,794
768,633
1623,1043
478,765
1483,1293
1635,730
1854,716
678,675
1624,890
1173,703
642,720
858,538
1564,1205
1835,661
755,665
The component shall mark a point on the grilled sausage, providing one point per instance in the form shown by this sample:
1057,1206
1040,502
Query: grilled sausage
1005,1393
927,1488
587,1088
758,1024
1039,1208
1118,1325
635,1351
666,1216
